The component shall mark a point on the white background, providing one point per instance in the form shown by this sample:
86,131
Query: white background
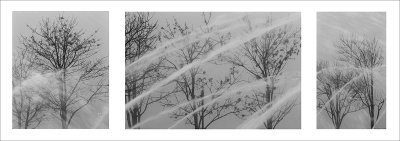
117,130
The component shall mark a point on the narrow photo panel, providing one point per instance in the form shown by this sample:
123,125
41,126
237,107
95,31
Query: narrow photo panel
351,70
60,70
218,70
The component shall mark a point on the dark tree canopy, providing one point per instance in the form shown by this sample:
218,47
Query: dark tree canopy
334,93
365,53
349,85
27,111
360,51
140,39
195,84
265,58
58,46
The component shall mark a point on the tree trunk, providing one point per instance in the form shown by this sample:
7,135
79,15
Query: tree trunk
134,112
372,109
135,115
202,110
195,118
127,112
338,121
63,115
337,125
28,112
19,121
63,105
132,117
372,119
128,119
268,101
138,119
193,96
20,110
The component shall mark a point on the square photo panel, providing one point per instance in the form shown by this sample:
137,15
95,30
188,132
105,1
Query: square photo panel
60,70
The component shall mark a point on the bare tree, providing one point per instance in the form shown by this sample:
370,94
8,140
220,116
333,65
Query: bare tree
140,38
57,46
334,95
196,83
265,58
27,112
367,54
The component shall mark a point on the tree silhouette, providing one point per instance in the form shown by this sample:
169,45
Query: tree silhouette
140,38
58,47
265,58
27,112
196,83
366,54
333,92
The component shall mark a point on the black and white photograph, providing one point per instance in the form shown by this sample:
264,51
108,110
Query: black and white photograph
218,70
60,70
245,70
351,70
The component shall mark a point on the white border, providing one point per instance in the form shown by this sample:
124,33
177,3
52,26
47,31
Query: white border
117,129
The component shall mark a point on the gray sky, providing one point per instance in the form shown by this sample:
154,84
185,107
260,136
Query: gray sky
330,25
194,19
89,22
